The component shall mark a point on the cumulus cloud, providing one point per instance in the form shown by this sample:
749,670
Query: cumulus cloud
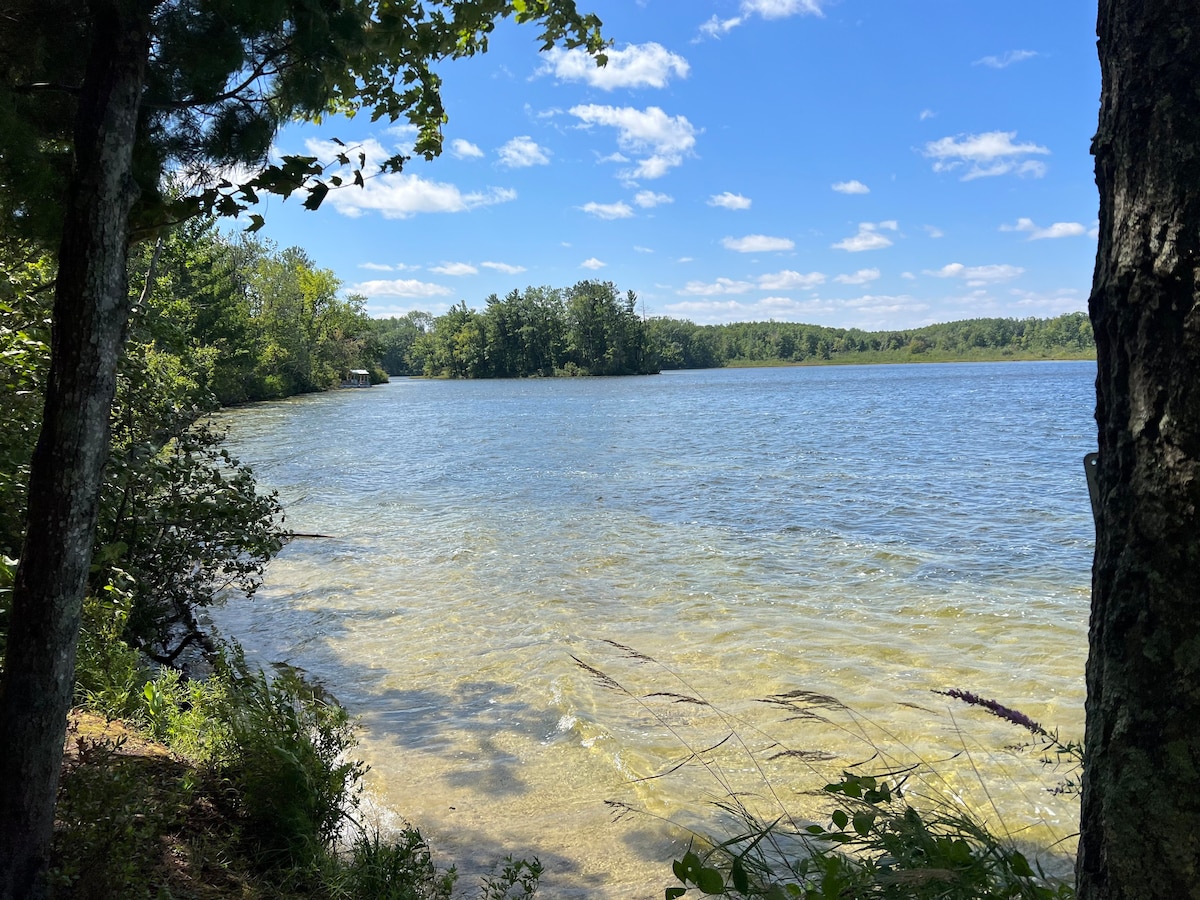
454,268
868,237
649,199
638,65
503,267
862,276
593,264
757,243
1006,59
787,280
661,140
397,195
523,152
403,287
618,210
977,276
464,149
729,200
851,187
1057,230
986,155
720,286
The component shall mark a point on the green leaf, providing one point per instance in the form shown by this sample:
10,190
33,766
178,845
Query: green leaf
710,881
1020,865
316,194
674,892
737,874
256,222
863,822
840,819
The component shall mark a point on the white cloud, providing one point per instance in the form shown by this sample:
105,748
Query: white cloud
464,149
456,268
782,9
873,312
851,187
715,27
649,199
384,267
720,286
398,195
503,267
637,249
685,259
787,280
868,237
757,243
662,140
985,155
977,276
1006,59
404,287
638,65
618,210
926,114
1057,230
908,276
1051,303
522,152
862,276
730,200
593,264
933,231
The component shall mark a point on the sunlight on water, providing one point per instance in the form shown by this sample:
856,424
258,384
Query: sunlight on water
868,533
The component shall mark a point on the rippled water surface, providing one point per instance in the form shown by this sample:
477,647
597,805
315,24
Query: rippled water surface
869,533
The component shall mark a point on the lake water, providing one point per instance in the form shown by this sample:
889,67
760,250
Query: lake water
872,533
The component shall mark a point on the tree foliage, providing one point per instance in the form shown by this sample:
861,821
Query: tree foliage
588,329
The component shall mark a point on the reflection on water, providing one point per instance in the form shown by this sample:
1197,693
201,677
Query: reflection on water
870,533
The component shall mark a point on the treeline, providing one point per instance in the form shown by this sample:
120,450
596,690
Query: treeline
589,329
683,345
246,320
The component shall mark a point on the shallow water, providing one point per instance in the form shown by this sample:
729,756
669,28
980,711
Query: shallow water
870,533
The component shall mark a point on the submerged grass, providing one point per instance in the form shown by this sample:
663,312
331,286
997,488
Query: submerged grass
823,802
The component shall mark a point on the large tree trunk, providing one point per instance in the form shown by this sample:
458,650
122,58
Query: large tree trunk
1140,832
90,312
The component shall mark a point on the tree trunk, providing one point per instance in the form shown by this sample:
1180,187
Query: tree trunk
1140,829
90,311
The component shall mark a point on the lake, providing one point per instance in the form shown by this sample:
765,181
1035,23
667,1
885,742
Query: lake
701,542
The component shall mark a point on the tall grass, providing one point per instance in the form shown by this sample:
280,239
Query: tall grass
819,801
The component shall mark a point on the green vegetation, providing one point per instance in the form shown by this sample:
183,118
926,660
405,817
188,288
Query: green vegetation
589,330
886,826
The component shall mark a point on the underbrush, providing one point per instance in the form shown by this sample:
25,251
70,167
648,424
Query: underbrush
793,820
259,795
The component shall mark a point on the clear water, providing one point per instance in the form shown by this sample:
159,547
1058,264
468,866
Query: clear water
871,533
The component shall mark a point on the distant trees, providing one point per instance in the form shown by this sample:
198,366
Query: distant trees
683,345
588,329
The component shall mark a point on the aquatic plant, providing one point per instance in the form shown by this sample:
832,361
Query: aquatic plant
892,825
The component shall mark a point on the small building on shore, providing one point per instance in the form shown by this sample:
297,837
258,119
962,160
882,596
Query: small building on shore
358,378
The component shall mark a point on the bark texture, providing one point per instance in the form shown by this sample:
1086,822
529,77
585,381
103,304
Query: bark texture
90,313
1140,831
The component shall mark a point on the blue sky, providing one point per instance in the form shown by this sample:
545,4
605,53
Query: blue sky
854,163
